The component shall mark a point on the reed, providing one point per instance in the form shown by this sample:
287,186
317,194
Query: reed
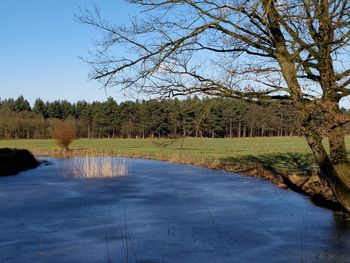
97,166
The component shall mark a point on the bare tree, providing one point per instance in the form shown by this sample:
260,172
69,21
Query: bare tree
294,50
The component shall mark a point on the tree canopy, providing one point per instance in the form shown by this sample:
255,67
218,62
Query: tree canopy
170,48
193,117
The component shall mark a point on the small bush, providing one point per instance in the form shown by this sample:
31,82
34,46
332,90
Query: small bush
63,132
13,161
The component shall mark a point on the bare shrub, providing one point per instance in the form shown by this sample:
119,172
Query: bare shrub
63,132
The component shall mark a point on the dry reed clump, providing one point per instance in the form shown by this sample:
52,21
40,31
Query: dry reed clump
97,166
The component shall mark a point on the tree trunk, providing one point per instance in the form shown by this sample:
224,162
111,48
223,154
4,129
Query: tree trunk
337,145
335,170
239,129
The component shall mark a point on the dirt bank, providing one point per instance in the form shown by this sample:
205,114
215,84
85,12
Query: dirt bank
13,161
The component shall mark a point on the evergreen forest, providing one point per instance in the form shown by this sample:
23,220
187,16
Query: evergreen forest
190,117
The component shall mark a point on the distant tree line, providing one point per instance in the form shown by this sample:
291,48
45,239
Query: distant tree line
195,117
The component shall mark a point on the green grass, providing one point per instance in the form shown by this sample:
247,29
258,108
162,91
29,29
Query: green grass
190,147
277,153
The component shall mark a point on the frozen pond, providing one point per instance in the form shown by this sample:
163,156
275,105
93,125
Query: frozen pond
162,212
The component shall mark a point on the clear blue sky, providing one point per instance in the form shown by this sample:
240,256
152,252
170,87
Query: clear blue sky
40,46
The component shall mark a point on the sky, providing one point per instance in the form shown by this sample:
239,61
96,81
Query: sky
41,44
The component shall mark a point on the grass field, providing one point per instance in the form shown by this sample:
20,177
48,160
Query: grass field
282,154
201,148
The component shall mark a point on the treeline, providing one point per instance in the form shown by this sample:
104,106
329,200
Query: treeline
207,117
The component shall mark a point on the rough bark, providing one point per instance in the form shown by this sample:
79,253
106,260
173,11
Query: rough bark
337,175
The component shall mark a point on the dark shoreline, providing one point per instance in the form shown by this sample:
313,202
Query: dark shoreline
13,161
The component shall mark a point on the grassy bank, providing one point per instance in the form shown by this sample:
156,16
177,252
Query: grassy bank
282,154
199,148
